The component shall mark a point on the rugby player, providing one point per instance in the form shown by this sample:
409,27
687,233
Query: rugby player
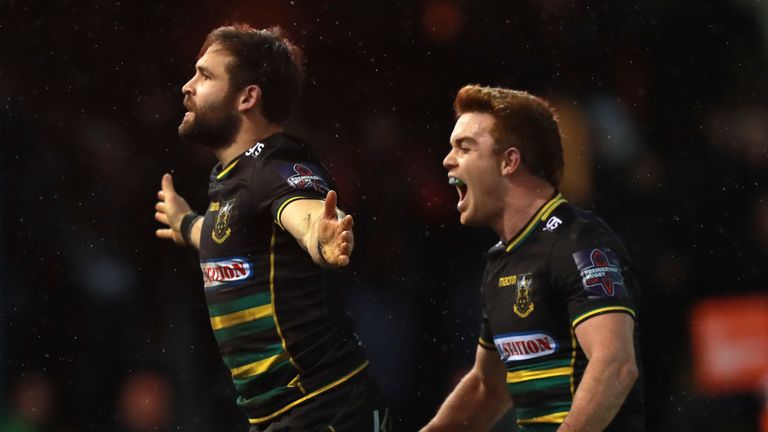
271,224
559,333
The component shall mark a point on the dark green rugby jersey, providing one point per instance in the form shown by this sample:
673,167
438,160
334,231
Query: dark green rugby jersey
278,329
563,268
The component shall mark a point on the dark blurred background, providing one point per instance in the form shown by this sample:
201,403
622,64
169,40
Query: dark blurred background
103,327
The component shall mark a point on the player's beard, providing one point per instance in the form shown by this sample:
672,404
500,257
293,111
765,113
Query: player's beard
213,125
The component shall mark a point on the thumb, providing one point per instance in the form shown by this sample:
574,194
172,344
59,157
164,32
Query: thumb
167,184
330,205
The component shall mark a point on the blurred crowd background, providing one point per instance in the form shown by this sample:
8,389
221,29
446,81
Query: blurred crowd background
103,327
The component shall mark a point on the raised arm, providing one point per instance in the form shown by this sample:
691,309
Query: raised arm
478,401
607,341
321,229
171,208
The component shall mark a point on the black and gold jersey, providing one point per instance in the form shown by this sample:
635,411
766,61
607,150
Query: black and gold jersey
563,268
279,332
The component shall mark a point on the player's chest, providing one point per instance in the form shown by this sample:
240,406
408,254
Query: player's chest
233,221
519,294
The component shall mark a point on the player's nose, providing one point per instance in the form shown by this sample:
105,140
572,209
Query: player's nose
449,161
187,88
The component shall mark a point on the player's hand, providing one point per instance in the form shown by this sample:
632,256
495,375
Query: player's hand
334,235
170,210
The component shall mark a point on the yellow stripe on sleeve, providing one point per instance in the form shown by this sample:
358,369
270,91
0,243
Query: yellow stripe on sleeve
485,344
603,310
282,207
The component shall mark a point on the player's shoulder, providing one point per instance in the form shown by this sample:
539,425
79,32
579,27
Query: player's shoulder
287,147
570,224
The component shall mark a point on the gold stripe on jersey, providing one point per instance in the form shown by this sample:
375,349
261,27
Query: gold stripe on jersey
485,344
258,367
574,343
272,297
282,207
313,394
226,170
239,317
541,215
549,418
602,310
528,375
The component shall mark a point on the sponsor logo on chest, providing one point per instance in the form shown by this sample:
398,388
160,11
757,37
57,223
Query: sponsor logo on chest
524,346
216,273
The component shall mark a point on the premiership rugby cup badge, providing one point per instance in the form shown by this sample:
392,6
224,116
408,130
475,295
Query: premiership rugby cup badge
221,229
524,303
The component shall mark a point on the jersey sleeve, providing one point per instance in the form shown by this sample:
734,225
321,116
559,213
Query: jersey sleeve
594,276
282,182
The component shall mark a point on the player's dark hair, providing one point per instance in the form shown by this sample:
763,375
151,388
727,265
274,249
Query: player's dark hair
523,121
265,58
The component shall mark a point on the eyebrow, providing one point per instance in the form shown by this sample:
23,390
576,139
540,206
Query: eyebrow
203,69
464,139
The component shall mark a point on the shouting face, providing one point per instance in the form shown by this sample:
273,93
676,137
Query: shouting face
474,168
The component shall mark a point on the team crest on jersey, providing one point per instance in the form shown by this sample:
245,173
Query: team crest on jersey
304,176
221,230
600,272
524,302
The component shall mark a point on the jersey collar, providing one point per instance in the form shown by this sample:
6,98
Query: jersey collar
227,169
541,215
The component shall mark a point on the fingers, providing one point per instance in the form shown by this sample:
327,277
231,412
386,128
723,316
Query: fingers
330,205
347,223
161,195
167,184
162,218
347,237
160,207
164,233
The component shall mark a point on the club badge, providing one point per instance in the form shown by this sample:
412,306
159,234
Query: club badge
221,229
524,303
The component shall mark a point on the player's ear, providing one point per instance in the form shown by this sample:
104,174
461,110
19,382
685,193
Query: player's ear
250,97
510,160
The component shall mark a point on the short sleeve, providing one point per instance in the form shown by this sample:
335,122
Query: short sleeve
595,276
486,337
283,182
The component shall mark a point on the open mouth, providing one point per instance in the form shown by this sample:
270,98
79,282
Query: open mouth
461,187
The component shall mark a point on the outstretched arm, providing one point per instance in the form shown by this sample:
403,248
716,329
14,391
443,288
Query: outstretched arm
170,210
321,229
478,401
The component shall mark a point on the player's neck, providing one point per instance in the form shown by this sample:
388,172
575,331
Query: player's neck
521,203
250,132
